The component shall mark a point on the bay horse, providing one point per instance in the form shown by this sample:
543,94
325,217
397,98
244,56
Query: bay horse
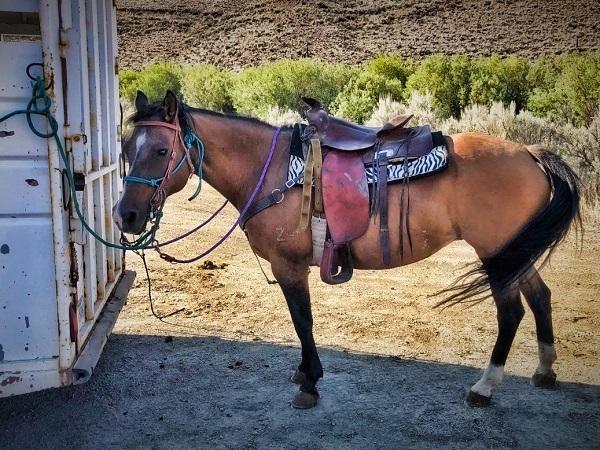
512,203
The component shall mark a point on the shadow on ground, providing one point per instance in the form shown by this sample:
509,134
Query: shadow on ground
208,392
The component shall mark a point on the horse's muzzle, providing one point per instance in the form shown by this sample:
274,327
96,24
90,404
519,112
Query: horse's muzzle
129,220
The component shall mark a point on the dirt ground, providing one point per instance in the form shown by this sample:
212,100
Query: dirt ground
396,370
237,33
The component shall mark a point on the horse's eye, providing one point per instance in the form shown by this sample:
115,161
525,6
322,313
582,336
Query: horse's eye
162,151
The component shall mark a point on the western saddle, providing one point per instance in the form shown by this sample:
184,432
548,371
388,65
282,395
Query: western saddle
336,153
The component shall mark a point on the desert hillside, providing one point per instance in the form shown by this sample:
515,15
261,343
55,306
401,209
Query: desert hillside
237,33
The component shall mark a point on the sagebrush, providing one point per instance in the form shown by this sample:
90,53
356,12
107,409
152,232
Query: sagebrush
553,101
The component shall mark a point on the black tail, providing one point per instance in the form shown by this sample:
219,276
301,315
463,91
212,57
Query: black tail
544,232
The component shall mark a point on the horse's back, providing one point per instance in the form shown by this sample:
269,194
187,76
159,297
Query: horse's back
491,188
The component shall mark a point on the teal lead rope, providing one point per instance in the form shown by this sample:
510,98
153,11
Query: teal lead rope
190,139
40,105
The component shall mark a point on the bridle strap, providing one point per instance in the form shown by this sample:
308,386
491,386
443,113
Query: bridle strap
172,168
157,123
172,126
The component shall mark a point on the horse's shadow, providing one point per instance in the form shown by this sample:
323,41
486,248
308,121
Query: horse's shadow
149,391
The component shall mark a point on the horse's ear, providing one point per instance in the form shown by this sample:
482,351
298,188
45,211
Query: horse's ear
141,101
312,102
170,105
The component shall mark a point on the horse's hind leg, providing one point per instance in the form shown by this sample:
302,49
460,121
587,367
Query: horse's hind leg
510,312
538,297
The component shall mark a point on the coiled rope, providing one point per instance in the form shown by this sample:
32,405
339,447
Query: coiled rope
40,104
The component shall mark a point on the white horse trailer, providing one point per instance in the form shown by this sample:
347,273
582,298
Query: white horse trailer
60,290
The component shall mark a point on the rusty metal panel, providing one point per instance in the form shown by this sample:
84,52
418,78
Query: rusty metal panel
28,183
99,208
53,273
15,92
22,382
95,136
74,40
27,286
89,255
54,65
27,291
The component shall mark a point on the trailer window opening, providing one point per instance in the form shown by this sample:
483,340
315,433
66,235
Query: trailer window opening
19,26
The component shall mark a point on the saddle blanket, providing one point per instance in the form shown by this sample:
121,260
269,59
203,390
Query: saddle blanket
433,162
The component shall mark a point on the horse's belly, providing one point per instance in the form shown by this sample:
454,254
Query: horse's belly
427,219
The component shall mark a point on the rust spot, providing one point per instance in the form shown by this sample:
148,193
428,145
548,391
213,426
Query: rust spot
32,182
10,380
5,249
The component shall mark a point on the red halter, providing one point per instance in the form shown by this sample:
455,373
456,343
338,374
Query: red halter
160,194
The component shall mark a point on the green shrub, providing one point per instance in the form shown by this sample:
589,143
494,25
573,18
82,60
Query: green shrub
391,66
544,71
566,88
206,86
544,100
447,79
284,83
128,84
496,79
360,96
579,85
548,104
153,81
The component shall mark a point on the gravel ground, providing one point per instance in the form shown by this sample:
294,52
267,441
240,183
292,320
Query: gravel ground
208,392
396,370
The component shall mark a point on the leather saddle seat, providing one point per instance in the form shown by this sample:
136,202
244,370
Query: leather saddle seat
347,148
392,138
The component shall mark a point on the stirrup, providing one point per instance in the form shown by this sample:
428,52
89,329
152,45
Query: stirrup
336,264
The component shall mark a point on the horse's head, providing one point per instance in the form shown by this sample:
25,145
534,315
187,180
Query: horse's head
160,163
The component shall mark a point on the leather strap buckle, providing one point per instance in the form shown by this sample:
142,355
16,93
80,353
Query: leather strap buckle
275,193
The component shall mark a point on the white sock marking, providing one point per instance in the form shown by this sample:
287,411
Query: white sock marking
547,355
492,376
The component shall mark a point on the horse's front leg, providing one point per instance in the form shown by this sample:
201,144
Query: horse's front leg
294,284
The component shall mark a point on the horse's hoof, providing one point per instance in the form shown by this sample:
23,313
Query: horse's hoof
544,380
305,400
298,377
477,400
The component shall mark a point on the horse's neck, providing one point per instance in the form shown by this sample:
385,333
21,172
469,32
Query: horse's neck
235,153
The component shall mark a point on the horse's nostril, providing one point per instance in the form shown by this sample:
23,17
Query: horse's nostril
130,217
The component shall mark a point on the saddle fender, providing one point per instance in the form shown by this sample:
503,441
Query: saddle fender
345,196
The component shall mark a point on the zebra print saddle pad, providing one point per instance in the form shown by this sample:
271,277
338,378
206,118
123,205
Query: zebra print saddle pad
433,162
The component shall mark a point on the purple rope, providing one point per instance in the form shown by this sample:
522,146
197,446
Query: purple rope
246,207
193,230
